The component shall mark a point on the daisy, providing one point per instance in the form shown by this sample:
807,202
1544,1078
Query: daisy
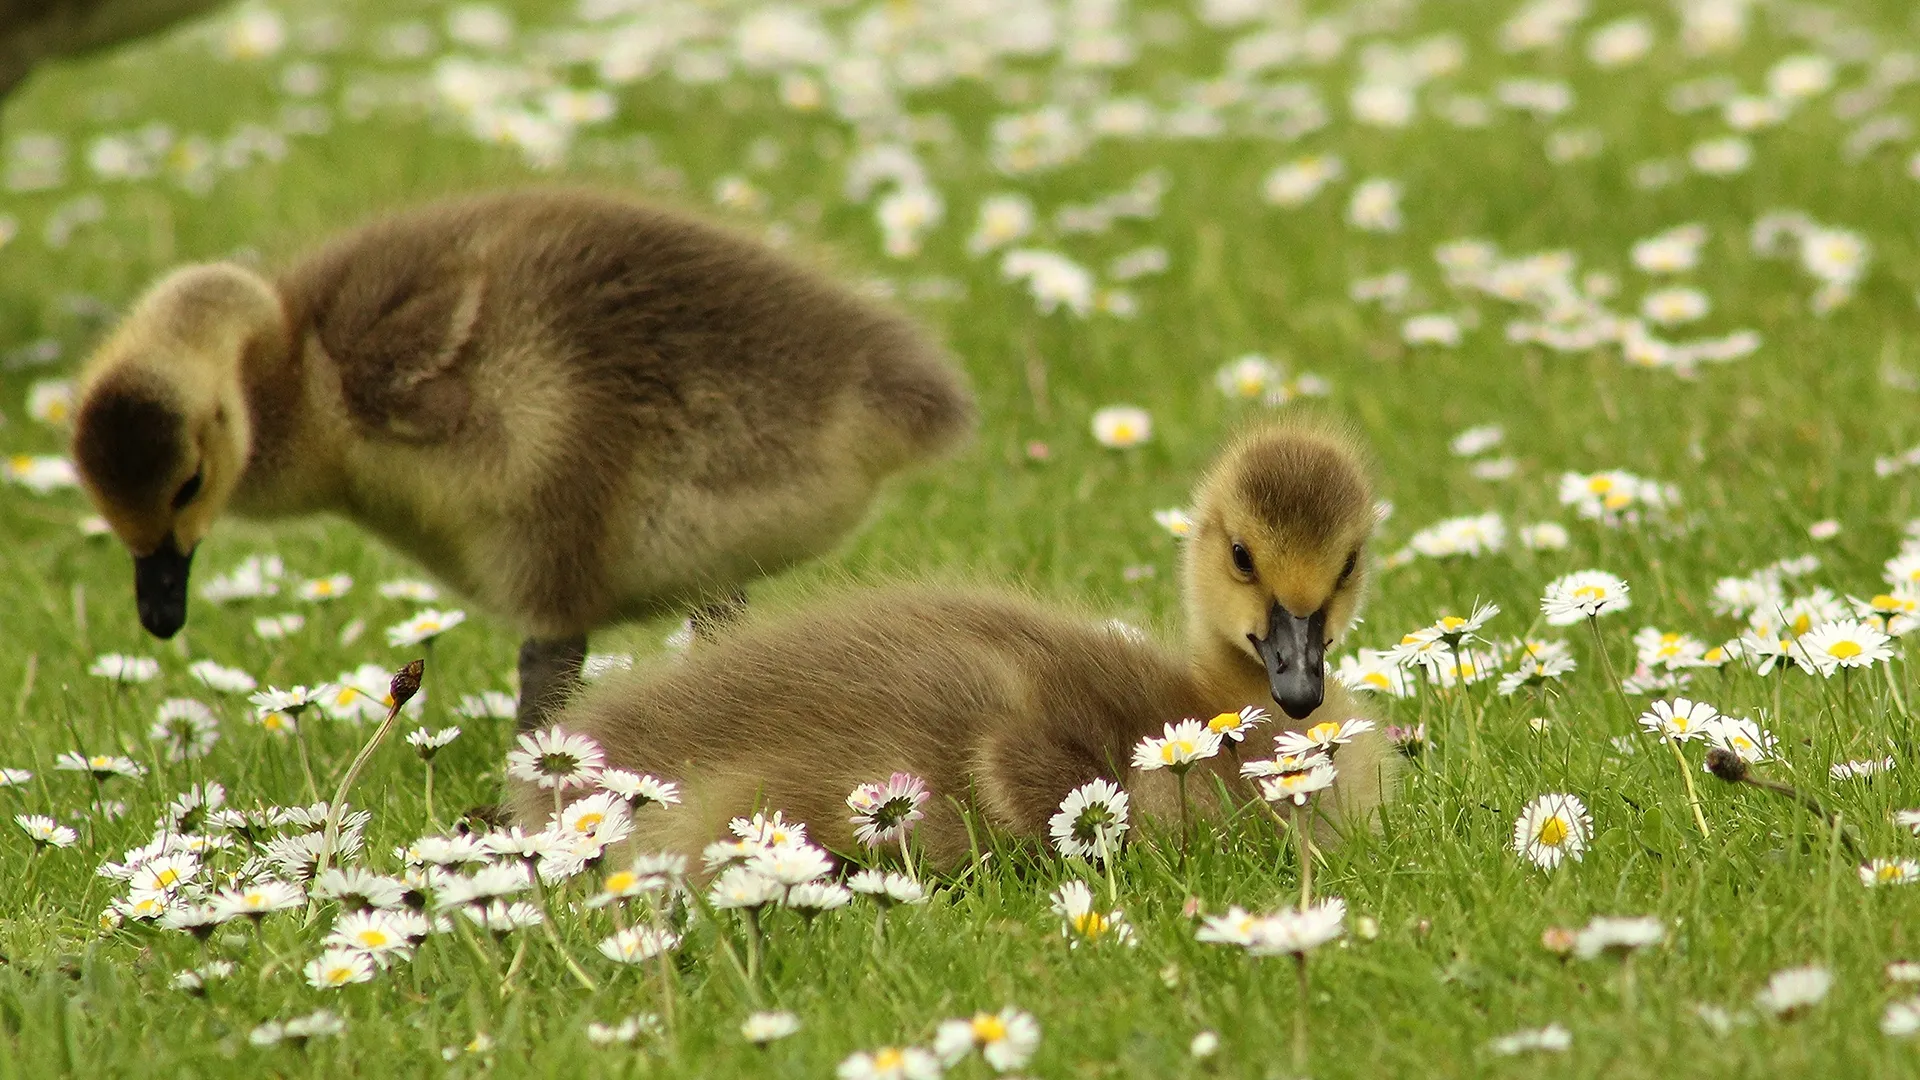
1889,872
1003,220
1432,328
44,831
1120,427
1618,934
102,766
1182,745
1177,522
1848,643
1477,440
1793,991
501,917
1091,820
638,945
1375,206
1551,828
257,900
1860,770
290,702
1674,306
1374,672
1007,1039
125,669
419,592
186,727
1250,376
762,1028
1324,736
278,627
1297,786
886,889
1680,719
1297,932
1534,672
423,628
1073,902
428,743
608,1035
356,889
1901,1019
14,777
40,473
1894,613
1553,1037
1470,536
741,887
1233,928
1297,182
1235,725
1544,536
1740,737
487,705
811,898
883,812
890,1063
555,758
639,789
336,968
1675,251
164,874
326,588
1908,820
223,680
1584,594
794,864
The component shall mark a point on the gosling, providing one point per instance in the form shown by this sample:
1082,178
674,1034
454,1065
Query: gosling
1002,704
571,408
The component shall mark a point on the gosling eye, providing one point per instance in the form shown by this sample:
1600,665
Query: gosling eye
1353,560
189,489
1242,559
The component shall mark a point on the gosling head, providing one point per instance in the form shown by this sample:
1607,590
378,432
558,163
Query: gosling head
1274,566
162,433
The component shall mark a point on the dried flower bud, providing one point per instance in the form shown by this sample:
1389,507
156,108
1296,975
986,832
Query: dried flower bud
1726,765
406,683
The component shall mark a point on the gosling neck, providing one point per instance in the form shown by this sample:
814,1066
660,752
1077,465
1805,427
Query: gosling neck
1227,678
290,468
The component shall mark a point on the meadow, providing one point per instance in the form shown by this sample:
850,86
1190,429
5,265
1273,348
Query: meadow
1628,287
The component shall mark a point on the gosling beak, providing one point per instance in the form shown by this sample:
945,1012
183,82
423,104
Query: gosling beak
160,588
1294,651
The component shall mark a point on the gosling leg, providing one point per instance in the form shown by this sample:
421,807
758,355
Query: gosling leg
712,618
549,672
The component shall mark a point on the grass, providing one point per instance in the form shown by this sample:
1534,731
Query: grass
1760,449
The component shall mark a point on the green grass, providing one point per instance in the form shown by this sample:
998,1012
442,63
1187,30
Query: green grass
1760,448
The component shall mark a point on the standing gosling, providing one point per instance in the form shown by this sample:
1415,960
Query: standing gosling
572,408
1004,704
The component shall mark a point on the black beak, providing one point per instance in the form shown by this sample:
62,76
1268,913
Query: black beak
1295,652
160,588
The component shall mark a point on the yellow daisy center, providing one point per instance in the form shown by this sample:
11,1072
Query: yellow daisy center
1323,732
1844,650
988,1028
1226,721
1554,831
586,823
371,938
1589,592
1091,924
1599,485
1175,749
1452,622
1617,500
1375,678
621,881
20,463
339,975
888,1058
165,878
1123,432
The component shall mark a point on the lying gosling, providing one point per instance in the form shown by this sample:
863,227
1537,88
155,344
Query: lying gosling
572,408
1002,703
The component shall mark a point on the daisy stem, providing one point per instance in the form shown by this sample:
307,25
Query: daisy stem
306,768
432,818
1693,797
753,944
332,837
1300,1016
462,926
1606,662
906,854
1626,984
559,800
1305,848
666,968
1893,687
553,935
513,966
1180,778
1106,863
726,946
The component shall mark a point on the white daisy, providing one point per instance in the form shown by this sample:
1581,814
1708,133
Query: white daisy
1553,827
1181,745
555,758
1618,934
762,1028
1849,643
1793,991
1006,1039
1122,426
1073,902
1878,872
1091,820
1680,719
424,627
1584,594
